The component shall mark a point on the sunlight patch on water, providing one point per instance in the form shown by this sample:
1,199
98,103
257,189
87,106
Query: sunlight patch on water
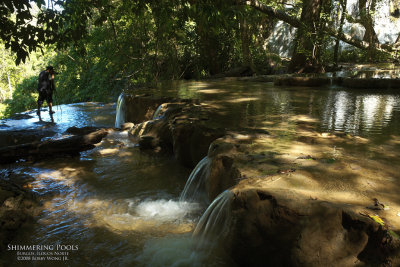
159,218
213,91
242,99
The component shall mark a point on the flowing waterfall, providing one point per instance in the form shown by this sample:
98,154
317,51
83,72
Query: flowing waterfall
156,114
208,246
195,188
281,40
121,110
215,224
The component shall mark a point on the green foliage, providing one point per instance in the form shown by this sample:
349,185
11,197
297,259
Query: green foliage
21,78
24,97
101,47
356,55
26,25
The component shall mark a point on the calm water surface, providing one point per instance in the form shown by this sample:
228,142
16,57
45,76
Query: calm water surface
365,113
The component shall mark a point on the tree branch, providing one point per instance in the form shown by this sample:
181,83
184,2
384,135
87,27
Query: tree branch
295,22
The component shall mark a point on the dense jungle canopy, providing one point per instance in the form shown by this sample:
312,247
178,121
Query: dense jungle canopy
102,46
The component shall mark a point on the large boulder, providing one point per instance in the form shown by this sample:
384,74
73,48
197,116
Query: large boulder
191,140
140,108
223,175
180,127
278,217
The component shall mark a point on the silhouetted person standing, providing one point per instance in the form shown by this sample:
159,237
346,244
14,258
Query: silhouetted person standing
46,88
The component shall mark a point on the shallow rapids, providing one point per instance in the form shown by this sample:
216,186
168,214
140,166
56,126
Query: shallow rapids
108,202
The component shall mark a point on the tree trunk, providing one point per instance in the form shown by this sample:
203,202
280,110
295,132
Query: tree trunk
306,51
343,5
208,48
9,86
2,96
368,22
51,148
245,38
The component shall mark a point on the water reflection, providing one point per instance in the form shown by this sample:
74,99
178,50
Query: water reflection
363,114
369,113
79,115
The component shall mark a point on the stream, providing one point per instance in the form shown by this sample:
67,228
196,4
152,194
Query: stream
121,207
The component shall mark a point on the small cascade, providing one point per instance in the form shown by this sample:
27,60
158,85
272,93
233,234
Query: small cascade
215,224
195,187
157,113
206,247
121,110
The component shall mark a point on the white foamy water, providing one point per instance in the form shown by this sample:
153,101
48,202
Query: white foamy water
165,210
206,247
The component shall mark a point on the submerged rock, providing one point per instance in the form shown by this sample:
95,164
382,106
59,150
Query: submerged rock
18,205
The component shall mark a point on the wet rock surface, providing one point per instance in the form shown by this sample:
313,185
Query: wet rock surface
52,148
281,228
283,219
179,128
17,137
81,130
140,108
127,126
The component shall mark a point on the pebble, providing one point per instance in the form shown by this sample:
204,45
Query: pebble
398,214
